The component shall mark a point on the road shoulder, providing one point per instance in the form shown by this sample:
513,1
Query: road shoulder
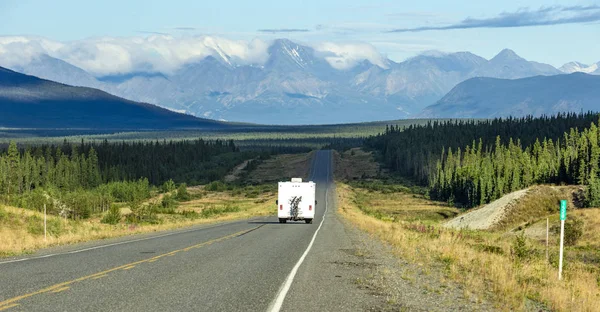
350,270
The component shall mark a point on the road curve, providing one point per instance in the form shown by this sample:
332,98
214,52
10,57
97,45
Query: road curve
250,265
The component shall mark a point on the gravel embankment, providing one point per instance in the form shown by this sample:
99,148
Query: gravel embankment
488,215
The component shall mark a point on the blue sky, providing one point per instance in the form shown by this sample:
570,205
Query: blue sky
565,31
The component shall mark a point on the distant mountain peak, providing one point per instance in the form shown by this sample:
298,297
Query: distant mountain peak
283,50
506,54
573,67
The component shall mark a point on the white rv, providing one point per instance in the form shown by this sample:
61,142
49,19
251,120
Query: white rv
296,201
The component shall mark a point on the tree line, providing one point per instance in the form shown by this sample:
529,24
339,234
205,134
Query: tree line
477,175
87,165
473,162
80,179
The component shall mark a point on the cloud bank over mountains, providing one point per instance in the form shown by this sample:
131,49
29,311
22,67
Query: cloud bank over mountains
105,56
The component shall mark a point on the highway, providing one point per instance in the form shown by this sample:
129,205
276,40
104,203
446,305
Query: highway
249,265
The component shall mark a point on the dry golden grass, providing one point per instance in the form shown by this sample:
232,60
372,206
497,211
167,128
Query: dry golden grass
402,206
355,164
482,262
21,230
539,202
261,205
282,167
591,230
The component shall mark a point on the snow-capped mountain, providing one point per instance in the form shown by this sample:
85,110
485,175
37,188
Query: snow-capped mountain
574,67
296,84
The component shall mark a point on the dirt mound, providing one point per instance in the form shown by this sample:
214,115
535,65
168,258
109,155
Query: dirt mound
518,208
488,215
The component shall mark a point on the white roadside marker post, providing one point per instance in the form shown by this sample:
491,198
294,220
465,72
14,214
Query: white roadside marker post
547,239
563,217
45,236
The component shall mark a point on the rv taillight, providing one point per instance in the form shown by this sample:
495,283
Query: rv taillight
310,207
280,207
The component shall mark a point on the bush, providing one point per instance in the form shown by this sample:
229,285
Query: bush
168,204
35,225
216,186
168,186
3,214
182,193
191,214
573,230
128,191
214,211
113,216
143,214
520,250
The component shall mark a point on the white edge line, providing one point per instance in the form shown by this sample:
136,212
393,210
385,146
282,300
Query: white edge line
114,244
278,302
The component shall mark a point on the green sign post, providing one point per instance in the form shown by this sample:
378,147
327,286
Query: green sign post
563,217
563,210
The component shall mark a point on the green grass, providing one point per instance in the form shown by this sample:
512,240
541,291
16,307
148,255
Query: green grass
250,134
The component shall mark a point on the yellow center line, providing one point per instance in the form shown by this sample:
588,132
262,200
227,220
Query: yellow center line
101,276
7,303
61,289
129,267
9,306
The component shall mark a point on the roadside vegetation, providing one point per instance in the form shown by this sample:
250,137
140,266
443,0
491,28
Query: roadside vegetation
22,230
438,172
508,267
99,190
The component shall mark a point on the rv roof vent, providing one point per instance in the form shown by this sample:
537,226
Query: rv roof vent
296,179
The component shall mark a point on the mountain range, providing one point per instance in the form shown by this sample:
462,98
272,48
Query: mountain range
297,85
483,97
30,102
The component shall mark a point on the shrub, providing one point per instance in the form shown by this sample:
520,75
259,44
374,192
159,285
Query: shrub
182,193
35,225
520,250
168,186
213,211
573,230
113,216
3,214
216,186
168,204
143,214
128,191
191,214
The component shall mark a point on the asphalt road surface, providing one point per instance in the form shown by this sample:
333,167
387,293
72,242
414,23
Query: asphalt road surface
250,265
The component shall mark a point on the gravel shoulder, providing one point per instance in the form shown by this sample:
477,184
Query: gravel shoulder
349,270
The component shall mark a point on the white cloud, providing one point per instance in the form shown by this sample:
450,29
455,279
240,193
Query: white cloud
346,55
107,55
165,53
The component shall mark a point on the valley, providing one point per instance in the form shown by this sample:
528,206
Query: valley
299,156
